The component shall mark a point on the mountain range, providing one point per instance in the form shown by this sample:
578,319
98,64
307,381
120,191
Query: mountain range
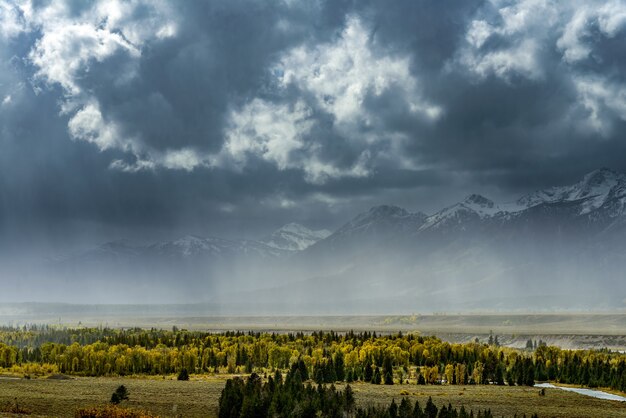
562,247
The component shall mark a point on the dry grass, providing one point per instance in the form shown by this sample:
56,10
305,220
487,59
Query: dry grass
166,398
199,397
13,408
110,411
502,400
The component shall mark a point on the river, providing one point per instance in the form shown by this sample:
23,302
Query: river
588,392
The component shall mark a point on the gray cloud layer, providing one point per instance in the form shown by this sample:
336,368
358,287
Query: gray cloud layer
143,118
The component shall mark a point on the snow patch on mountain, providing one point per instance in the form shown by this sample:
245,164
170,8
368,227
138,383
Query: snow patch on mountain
294,237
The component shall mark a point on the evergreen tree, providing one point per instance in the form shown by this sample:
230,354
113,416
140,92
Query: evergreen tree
499,375
529,373
376,379
529,344
430,410
388,370
183,375
417,411
349,400
368,372
393,409
509,378
339,366
404,410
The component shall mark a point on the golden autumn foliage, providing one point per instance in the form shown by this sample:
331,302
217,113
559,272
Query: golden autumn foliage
115,352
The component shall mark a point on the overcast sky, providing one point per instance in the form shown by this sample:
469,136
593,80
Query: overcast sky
152,119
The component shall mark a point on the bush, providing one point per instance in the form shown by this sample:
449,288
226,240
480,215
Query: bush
183,375
120,394
110,411
34,369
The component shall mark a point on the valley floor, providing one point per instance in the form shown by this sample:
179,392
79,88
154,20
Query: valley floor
565,330
199,397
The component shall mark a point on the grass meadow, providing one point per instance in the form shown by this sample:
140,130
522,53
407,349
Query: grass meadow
167,397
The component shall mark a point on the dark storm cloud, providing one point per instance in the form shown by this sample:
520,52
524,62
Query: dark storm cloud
230,118
186,84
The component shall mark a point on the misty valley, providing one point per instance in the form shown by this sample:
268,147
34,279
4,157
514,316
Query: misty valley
309,322
312,209
539,252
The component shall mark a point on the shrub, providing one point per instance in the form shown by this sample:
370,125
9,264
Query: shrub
183,375
13,408
111,411
120,394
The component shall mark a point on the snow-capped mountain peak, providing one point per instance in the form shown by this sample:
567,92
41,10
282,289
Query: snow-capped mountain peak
296,228
380,221
455,214
193,245
383,214
189,240
482,206
474,206
478,200
601,176
593,191
117,245
385,211
294,237
120,248
599,183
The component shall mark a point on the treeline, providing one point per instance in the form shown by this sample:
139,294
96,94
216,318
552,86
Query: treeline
290,397
36,335
324,357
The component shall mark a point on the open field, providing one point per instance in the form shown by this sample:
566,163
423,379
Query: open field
199,397
60,398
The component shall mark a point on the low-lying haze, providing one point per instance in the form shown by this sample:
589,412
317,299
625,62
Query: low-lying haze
143,123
